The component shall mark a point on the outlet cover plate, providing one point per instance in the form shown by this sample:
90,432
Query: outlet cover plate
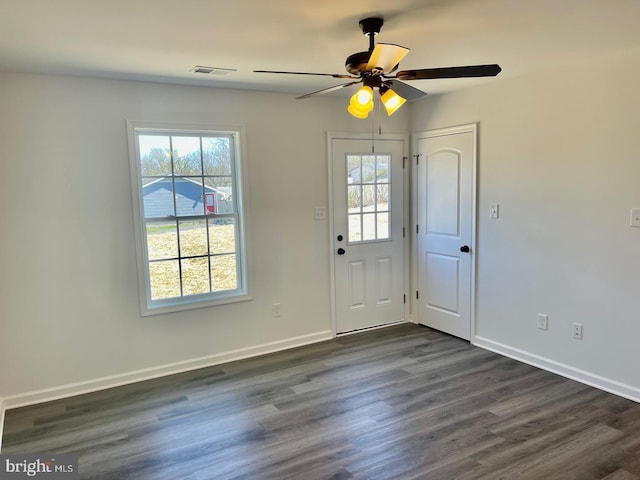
543,321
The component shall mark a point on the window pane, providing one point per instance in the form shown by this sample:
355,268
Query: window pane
382,198
155,158
162,240
165,279
354,172
222,236
157,197
223,273
354,200
369,226
368,169
195,276
188,188
193,238
368,198
355,229
216,155
219,191
383,226
382,168
186,156
188,196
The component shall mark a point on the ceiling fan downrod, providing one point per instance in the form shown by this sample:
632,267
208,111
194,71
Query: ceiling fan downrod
371,27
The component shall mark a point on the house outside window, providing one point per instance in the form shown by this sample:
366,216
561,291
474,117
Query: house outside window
187,183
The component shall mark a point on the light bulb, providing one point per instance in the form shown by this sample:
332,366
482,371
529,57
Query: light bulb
364,95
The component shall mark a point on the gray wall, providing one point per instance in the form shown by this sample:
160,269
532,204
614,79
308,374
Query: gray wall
559,152
69,301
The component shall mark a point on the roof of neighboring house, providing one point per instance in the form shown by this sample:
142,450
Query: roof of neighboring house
158,197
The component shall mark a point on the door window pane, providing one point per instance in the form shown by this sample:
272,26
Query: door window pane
369,226
355,228
354,198
368,191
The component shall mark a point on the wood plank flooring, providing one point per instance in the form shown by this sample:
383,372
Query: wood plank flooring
404,402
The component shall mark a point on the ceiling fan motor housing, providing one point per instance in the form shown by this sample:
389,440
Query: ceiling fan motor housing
357,63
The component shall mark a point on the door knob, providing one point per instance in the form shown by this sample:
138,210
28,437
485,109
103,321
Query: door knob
341,251
464,249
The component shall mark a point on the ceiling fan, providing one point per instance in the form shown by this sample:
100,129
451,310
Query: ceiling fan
373,68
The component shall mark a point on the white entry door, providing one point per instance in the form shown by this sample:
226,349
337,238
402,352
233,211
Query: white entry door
445,225
368,222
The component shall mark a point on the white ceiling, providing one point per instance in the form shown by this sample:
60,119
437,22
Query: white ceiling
161,40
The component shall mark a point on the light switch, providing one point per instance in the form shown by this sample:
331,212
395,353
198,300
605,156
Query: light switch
320,213
635,217
494,210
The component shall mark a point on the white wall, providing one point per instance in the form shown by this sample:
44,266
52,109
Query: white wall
69,303
559,152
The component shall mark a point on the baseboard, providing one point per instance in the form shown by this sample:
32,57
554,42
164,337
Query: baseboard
70,390
611,386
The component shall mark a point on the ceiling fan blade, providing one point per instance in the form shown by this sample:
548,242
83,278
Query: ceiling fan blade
385,56
405,91
450,72
327,90
334,75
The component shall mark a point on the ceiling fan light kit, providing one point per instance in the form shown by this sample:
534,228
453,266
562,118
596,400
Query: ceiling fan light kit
372,69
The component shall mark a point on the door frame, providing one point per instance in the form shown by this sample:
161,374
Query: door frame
406,218
415,138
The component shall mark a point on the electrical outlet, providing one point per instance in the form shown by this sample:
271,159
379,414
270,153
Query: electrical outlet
577,331
543,321
275,310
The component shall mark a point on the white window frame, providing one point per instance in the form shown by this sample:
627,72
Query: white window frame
176,304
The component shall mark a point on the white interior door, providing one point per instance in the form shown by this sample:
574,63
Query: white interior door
368,221
445,238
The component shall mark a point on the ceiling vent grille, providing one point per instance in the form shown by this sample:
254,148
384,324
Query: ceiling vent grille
212,70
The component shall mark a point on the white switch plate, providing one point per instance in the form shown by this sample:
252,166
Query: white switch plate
494,210
320,213
635,217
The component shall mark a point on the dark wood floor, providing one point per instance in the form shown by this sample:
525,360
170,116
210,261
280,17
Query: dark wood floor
398,403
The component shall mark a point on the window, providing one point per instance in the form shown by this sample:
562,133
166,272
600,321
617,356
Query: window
368,197
187,185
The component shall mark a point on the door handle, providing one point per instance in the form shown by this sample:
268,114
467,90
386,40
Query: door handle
341,251
465,249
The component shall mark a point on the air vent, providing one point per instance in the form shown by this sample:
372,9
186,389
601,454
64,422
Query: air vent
212,70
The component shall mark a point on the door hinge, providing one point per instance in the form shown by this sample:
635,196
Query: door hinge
403,232
417,295
404,298
417,228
